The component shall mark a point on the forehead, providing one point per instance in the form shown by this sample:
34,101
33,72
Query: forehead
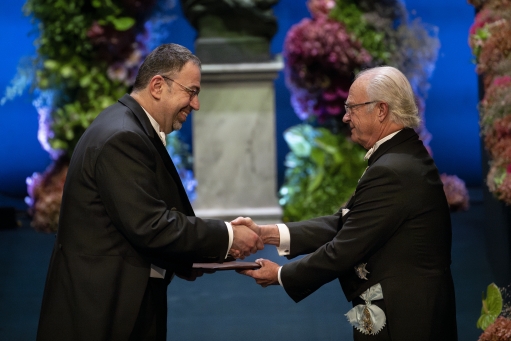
190,75
358,88
190,69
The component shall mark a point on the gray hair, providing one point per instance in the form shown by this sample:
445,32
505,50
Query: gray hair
165,59
389,85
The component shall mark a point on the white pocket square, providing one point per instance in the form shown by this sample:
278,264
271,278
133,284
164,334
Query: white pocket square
344,211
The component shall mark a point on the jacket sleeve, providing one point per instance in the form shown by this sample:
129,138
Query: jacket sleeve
308,235
376,212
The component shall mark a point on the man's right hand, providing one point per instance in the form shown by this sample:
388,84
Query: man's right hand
245,242
269,234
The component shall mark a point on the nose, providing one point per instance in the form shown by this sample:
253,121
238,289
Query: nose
194,103
346,117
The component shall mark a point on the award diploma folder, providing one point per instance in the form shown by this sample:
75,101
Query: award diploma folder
227,266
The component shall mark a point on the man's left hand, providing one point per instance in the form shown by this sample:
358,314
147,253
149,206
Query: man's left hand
267,275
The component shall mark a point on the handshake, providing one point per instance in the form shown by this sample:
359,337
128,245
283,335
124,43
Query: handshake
248,237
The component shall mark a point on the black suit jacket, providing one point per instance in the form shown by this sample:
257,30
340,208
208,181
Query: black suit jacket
123,208
399,224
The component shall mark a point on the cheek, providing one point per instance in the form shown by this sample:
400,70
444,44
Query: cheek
356,123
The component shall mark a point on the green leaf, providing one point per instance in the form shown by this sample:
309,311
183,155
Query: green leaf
44,83
500,177
58,144
328,142
318,157
85,81
316,180
297,142
122,24
66,71
492,307
51,64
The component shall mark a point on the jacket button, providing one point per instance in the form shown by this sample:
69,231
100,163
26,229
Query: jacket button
173,209
60,246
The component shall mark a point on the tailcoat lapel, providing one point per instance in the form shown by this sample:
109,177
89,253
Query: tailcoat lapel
140,114
403,135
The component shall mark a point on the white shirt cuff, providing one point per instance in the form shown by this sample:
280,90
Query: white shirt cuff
157,272
280,281
229,230
285,240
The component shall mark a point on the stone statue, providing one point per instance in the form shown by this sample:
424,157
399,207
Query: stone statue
232,31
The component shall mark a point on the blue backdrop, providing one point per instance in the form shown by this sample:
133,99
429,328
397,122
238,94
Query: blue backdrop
451,107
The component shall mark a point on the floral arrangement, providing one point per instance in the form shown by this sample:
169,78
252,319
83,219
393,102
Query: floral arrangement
491,47
322,54
456,192
45,196
88,54
320,59
500,330
322,172
495,319
496,129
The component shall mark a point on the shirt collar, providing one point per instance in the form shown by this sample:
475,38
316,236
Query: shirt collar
379,143
156,127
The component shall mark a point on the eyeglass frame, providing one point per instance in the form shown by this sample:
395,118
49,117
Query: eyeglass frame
348,107
191,92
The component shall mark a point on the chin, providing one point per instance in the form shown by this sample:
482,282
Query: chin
177,126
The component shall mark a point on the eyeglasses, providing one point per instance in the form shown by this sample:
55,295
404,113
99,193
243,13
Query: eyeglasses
191,92
349,107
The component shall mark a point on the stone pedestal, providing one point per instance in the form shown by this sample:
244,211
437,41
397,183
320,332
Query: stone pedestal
234,144
232,50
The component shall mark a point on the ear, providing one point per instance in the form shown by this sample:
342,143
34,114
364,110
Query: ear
156,86
383,111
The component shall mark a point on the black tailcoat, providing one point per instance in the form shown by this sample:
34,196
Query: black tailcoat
399,224
124,207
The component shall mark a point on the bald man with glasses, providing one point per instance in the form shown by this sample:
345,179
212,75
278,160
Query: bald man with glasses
126,226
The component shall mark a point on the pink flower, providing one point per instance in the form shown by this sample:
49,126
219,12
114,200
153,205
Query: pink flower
455,192
502,81
319,8
320,59
329,95
95,31
45,196
500,330
117,72
498,139
333,109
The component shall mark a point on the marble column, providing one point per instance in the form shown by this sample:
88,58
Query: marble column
234,144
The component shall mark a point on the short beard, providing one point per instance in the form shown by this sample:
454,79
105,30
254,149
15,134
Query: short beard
176,125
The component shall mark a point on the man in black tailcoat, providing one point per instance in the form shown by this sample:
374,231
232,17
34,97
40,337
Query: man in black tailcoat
126,225
390,245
